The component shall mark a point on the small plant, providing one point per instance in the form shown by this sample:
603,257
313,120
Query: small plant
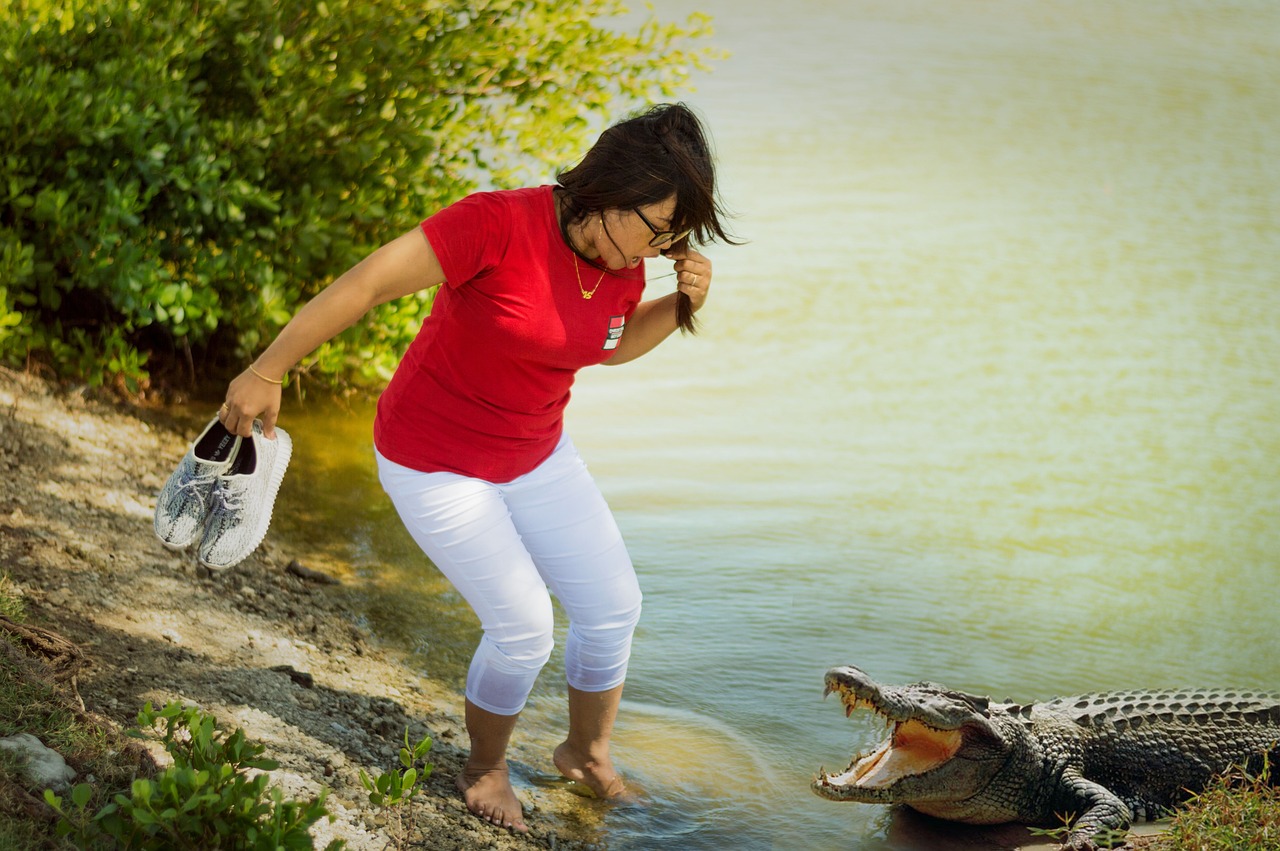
206,799
1105,838
11,605
392,788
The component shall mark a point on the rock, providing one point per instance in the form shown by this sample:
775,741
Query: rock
45,768
302,678
302,572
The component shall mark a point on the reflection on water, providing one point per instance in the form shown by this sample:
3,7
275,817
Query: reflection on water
700,782
335,510
990,399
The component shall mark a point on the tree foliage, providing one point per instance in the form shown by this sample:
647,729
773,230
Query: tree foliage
178,178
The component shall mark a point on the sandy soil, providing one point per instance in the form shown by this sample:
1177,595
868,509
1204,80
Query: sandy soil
259,646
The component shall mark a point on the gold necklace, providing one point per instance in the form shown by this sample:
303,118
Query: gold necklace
585,292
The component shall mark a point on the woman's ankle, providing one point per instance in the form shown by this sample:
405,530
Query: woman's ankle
476,770
595,771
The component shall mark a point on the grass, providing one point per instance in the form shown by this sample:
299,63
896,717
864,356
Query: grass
1238,812
31,702
10,602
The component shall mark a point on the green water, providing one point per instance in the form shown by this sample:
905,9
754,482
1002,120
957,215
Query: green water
990,398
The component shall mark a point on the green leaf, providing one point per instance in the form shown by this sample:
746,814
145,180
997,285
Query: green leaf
81,794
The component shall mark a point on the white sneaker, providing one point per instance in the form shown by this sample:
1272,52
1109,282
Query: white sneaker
183,504
242,499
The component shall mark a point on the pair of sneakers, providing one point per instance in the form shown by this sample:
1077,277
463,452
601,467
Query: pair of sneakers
222,494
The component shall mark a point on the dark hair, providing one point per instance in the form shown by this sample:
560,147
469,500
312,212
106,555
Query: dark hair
645,159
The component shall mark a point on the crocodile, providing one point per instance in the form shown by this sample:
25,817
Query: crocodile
1097,761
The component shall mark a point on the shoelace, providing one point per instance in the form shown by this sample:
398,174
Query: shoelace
226,500
196,483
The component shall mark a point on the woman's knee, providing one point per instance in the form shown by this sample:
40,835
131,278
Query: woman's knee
610,631
501,676
529,653
523,640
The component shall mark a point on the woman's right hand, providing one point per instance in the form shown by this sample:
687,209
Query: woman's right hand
248,398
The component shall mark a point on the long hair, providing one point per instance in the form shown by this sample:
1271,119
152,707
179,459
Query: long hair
645,159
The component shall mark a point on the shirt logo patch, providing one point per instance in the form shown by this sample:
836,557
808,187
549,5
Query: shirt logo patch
616,324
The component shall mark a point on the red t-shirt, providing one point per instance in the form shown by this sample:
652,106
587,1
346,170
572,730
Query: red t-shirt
482,389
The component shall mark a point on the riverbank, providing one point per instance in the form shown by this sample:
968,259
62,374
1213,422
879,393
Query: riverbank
267,646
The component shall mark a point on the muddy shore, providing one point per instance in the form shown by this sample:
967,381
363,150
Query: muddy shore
265,646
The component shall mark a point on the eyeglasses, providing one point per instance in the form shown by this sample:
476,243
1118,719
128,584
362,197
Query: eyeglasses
662,237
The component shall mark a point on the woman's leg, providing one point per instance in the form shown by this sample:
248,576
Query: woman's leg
485,781
464,527
584,754
571,534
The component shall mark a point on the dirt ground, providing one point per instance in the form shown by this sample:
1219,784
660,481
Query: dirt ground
260,646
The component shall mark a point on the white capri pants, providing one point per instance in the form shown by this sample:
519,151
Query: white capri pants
502,546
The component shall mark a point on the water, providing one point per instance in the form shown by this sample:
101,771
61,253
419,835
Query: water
990,398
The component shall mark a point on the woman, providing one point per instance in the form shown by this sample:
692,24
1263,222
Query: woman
536,283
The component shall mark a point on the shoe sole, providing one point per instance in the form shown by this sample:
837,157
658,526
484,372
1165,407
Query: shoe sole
284,452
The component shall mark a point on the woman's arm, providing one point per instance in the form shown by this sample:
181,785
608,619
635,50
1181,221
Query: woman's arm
655,320
405,265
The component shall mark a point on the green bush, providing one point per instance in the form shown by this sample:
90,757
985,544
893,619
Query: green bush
175,183
206,799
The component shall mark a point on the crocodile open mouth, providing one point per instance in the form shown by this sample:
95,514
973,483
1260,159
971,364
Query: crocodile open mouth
913,748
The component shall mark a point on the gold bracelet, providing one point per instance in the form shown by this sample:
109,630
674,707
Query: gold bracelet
263,377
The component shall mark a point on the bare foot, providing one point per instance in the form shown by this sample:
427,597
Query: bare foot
599,777
489,795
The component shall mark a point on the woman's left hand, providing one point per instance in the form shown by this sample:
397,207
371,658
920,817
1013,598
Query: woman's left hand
693,273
